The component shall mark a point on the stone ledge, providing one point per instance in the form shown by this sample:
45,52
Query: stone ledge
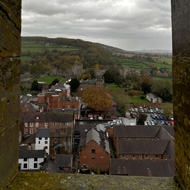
47,181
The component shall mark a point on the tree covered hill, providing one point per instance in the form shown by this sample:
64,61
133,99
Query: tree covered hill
46,56
43,54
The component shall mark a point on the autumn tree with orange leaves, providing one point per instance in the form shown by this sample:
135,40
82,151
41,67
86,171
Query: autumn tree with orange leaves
97,98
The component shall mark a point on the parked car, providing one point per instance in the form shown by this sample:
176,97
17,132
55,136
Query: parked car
145,109
162,122
172,123
161,117
155,122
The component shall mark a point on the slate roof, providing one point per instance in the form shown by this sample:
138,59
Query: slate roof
142,146
69,99
50,166
98,137
30,139
30,106
122,131
31,154
156,168
82,81
43,133
64,160
83,129
47,117
72,110
150,95
23,147
169,129
61,86
113,112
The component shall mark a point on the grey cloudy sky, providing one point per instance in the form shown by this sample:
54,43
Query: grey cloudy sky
126,24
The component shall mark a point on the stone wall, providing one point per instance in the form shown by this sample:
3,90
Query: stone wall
10,44
181,86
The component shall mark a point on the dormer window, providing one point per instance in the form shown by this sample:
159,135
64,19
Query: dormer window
37,118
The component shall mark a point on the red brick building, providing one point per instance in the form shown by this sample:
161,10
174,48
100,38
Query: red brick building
94,152
61,141
56,100
31,122
156,168
142,149
29,108
134,132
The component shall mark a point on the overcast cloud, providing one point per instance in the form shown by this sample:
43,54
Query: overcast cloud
126,24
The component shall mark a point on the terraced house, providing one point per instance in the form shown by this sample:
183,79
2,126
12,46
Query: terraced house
30,123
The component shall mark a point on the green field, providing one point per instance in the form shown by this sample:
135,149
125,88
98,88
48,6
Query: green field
166,59
41,46
137,100
159,78
141,64
25,58
111,86
49,79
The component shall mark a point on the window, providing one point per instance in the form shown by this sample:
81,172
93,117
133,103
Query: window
40,138
134,156
35,165
26,131
26,124
68,106
46,138
157,156
146,156
123,156
31,131
46,142
25,159
93,158
35,159
93,151
46,124
84,166
54,123
37,124
25,165
38,142
31,124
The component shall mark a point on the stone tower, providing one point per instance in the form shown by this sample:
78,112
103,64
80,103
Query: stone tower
10,45
181,86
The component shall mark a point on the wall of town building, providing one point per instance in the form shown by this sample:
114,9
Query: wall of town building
98,160
28,164
43,143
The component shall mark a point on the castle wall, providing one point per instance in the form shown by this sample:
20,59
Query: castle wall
10,45
181,87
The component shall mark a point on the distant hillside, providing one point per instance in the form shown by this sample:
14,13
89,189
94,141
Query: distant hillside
42,55
115,49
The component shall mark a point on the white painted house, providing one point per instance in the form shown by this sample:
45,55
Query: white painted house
43,140
30,159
